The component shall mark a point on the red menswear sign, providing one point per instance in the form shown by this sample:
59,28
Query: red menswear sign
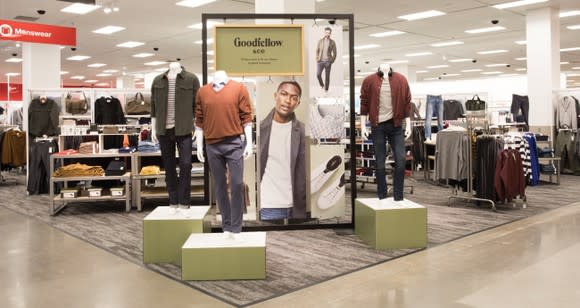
37,33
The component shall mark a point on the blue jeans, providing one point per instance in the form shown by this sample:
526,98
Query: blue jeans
272,214
323,65
179,189
382,132
434,104
227,155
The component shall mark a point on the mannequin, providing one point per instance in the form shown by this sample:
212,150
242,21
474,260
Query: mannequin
387,108
172,110
223,113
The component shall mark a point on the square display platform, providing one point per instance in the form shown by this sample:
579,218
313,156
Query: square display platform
388,224
164,232
212,256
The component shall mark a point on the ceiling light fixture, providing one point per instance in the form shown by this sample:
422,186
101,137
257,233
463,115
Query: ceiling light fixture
397,61
193,3
143,55
347,56
387,33
569,14
79,8
12,74
517,3
78,77
422,15
492,73
496,65
445,44
14,60
472,70
421,72
438,66
451,75
460,60
574,27
570,49
97,65
110,71
564,63
521,59
130,44
109,30
521,42
367,46
419,54
490,52
209,41
210,24
484,30
63,72
576,68
521,69
78,58
91,81
154,63
103,75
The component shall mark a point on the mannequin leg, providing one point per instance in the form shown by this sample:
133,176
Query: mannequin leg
327,74
217,167
428,117
184,147
235,162
380,155
167,146
439,113
397,142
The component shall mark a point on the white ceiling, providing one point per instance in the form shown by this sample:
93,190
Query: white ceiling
162,24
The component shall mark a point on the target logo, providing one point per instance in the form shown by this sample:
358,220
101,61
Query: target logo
6,30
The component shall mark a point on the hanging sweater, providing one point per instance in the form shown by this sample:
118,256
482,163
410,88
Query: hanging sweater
222,114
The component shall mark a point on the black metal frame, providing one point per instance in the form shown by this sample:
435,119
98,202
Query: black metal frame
292,17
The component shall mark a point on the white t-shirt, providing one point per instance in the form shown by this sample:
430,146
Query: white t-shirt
386,101
276,185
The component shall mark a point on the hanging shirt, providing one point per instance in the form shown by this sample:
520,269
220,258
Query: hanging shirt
276,185
386,102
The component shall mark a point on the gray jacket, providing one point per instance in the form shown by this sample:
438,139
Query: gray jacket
297,156
186,86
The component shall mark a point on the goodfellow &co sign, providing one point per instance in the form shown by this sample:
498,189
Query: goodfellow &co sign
37,33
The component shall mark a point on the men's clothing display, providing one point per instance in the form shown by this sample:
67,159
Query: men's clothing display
179,93
372,97
222,114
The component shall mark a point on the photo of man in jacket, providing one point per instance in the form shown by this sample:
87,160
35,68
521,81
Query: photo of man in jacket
282,157
325,56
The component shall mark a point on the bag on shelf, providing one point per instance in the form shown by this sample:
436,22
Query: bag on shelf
475,104
115,167
138,105
76,103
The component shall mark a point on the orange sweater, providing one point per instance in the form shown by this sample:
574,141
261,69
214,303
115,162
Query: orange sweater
222,114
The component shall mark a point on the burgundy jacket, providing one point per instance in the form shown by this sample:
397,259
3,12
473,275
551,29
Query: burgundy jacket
370,93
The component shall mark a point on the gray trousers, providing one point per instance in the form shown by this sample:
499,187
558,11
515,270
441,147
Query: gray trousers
225,156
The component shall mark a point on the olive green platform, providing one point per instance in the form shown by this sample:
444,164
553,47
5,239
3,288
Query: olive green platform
213,256
386,224
164,232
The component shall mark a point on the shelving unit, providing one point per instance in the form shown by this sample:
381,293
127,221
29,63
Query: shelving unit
55,199
140,191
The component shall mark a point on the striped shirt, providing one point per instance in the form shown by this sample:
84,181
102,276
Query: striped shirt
170,122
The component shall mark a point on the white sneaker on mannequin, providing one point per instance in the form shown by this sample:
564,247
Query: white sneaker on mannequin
323,172
173,209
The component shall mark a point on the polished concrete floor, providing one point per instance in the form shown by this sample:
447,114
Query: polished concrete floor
529,263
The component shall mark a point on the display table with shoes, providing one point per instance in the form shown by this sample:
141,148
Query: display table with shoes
217,256
165,230
388,224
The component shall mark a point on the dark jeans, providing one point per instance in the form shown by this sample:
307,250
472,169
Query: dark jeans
434,105
179,189
228,153
520,103
382,132
39,166
323,65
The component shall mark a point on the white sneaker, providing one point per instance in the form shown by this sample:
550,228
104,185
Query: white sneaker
332,194
323,173
228,235
173,209
237,236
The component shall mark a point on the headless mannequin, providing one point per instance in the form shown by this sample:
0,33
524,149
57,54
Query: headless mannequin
363,118
174,69
220,79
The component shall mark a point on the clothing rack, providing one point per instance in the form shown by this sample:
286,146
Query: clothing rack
469,194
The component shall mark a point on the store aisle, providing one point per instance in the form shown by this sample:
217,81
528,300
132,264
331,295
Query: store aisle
41,266
528,263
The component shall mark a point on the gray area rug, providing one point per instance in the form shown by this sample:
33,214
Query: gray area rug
294,259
